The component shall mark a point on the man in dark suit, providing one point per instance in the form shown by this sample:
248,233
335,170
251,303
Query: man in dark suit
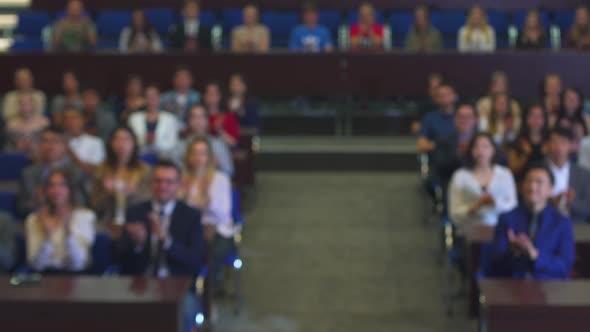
534,240
189,34
571,193
162,237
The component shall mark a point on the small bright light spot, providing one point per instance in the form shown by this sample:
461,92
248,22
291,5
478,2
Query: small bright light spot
199,319
238,264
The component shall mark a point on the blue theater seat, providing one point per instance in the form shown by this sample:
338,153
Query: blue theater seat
149,158
31,24
230,19
400,23
564,20
161,19
449,23
107,44
280,24
331,19
110,23
12,166
27,45
8,202
208,18
499,21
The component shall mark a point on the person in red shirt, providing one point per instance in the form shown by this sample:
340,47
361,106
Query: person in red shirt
222,124
366,34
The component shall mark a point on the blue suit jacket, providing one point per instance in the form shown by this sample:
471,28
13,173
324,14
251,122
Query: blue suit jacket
168,103
184,256
554,241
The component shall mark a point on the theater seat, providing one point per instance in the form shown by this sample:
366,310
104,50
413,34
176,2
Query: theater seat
449,23
331,19
8,202
280,25
110,23
161,19
107,44
30,24
27,45
500,22
230,19
12,166
208,18
149,158
564,20
101,254
400,23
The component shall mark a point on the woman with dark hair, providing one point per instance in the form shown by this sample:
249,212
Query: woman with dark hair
571,115
122,180
531,144
551,93
60,234
423,37
71,95
134,100
140,36
242,105
482,190
223,124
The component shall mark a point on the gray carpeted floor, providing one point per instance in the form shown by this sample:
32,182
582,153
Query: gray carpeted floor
340,252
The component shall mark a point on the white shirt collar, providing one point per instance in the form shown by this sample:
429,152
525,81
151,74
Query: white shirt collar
168,208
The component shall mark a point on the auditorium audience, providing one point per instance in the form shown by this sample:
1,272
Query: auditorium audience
157,131
7,245
189,34
477,35
60,234
423,37
99,121
571,115
53,154
179,100
23,83
22,130
502,123
86,150
250,36
75,32
134,100
222,124
438,124
533,35
198,128
531,145
579,35
122,180
366,34
552,92
162,237
499,83
534,240
241,104
481,190
310,36
70,95
209,191
140,36
571,190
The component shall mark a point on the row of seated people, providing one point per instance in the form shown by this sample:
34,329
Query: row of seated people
159,122
76,32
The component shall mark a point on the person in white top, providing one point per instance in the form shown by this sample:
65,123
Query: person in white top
502,123
482,190
140,36
209,190
157,131
87,151
477,35
59,235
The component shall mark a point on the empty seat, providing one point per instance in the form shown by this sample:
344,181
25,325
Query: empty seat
161,19
500,22
401,22
30,24
13,165
519,16
280,25
231,18
448,22
27,45
208,18
331,19
564,19
110,23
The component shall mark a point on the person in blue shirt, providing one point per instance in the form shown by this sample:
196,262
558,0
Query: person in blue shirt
534,240
438,125
310,36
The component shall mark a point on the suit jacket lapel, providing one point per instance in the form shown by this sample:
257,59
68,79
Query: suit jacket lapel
545,224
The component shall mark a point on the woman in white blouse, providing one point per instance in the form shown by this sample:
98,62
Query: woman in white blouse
140,36
209,190
482,190
59,235
477,35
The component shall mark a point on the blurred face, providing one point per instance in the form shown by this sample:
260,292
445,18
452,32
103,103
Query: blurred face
366,15
138,19
165,184
582,17
191,10
536,119
134,88
499,85
90,100
23,80
553,85
533,21
483,151
57,190
465,119
198,121
26,106
310,18
537,187
571,101
70,83
74,9
434,83
73,122
477,17
183,80
52,147
559,149
237,86
212,96
250,15
122,144
198,155
152,98
446,96
421,18
501,105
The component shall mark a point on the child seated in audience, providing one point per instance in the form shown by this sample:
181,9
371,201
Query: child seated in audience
366,35
579,35
209,191
571,115
222,123
23,81
501,122
534,240
482,190
140,36
477,35
75,32
23,130
309,36
121,180
86,150
60,233
423,37
71,95
533,35
250,36
240,103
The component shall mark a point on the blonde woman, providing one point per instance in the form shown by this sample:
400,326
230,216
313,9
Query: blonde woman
477,35
502,123
499,83
209,190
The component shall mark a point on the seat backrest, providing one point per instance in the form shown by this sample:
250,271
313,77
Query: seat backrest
564,19
110,23
27,45
101,254
401,22
161,19
149,158
231,18
280,25
8,202
30,24
448,22
208,18
500,21
331,19
13,165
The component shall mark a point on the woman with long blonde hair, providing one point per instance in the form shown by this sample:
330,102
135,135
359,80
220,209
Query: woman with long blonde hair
477,35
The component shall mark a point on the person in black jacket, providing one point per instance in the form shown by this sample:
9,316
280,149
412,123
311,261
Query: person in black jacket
162,237
189,34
